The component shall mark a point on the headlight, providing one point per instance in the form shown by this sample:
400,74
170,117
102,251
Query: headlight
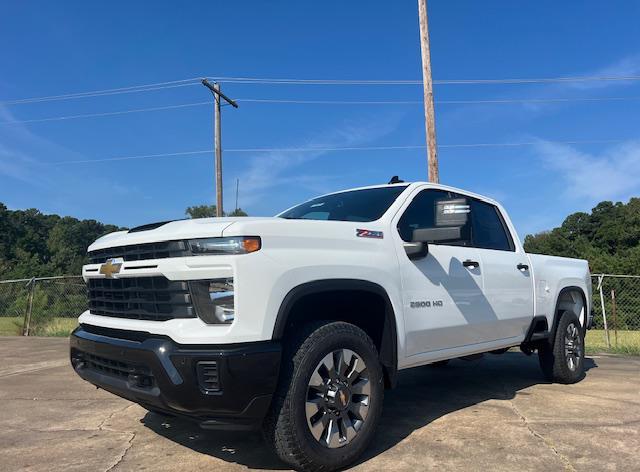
214,300
231,245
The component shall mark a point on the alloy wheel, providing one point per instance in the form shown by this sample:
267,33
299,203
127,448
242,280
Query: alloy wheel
338,398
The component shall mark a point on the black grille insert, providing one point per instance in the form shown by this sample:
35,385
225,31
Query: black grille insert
139,376
141,252
140,298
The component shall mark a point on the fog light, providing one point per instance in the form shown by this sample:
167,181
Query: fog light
214,300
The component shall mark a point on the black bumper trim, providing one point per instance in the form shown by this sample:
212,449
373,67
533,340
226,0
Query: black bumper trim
248,375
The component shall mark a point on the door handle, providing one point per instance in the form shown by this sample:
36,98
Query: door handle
471,264
522,267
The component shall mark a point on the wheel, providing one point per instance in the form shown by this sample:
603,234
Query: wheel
329,399
563,360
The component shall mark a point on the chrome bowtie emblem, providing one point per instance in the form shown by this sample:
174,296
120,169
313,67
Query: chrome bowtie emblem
112,266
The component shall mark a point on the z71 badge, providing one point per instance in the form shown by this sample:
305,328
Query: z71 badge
367,233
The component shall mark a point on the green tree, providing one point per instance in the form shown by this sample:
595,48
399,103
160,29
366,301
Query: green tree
238,212
33,244
201,211
209,211
608,237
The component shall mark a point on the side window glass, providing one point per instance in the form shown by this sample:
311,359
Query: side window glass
488,229
421,214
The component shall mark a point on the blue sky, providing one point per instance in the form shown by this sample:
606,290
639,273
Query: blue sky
49,50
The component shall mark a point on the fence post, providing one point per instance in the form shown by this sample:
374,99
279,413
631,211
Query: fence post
604,313
615,315
27,317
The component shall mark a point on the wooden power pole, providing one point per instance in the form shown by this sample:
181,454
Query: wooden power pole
217,137
429,111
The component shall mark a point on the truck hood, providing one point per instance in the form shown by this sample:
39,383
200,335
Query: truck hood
267,227
170,231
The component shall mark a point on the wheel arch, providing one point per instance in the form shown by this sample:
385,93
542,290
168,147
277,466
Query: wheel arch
562,301
387,339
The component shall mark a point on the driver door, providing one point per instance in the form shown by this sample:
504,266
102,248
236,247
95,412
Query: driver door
443,294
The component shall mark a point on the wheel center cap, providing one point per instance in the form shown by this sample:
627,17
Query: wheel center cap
339,397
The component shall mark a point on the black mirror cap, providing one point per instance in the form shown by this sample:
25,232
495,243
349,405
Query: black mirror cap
433,235
416,250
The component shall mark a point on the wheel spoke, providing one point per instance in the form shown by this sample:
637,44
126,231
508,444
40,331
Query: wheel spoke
348,430
339,362
312,407
316,381
361,387
328,364
332,438
360,409
318,428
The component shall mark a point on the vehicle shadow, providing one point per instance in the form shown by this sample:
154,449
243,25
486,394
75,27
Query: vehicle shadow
423,395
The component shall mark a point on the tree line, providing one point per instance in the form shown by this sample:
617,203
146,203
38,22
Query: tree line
608,237
36,244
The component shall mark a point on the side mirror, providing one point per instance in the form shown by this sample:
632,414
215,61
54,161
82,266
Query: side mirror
419,245
451,216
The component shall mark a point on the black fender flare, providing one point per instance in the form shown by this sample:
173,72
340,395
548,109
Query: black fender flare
388,344
556,318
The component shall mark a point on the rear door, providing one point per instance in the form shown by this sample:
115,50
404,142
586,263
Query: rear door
508,286
444,302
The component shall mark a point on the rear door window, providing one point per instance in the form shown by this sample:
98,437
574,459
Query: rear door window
488,228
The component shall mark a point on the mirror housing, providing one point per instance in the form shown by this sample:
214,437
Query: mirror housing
451,216
416,250
437,235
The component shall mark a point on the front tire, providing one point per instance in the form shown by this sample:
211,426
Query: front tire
563,360
329,399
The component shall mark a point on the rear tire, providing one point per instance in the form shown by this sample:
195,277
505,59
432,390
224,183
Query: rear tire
329,398
562,360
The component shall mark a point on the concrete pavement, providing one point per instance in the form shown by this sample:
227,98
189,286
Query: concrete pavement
496,413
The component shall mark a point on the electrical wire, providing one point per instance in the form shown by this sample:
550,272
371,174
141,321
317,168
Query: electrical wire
291,81
324,102
337,149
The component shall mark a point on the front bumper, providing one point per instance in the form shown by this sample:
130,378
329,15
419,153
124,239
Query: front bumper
219,386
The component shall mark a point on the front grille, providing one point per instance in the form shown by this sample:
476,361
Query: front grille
140,298
140,252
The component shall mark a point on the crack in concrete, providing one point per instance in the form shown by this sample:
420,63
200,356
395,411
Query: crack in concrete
124,453
508,396
547,442
101,426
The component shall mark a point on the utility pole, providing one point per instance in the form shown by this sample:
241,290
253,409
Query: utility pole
429,111
217,137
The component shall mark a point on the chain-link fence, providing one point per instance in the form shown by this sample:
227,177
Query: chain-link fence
616,303
47,306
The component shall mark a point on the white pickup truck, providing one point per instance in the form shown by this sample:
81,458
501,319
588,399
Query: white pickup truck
297,323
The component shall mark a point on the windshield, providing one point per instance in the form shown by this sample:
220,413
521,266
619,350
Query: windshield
355,205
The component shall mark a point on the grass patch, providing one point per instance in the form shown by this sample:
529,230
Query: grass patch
11,325
628,342
60,327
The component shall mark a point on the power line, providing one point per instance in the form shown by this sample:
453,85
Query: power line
339,149
108,113
325,102
290,81
277,81
104,92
